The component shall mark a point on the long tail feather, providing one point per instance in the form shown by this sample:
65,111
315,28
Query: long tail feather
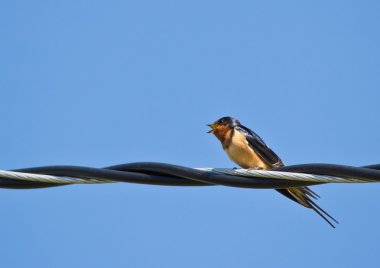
303,195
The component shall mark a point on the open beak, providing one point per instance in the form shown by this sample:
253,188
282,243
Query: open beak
212,126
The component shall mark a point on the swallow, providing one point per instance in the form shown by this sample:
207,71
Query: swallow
249,151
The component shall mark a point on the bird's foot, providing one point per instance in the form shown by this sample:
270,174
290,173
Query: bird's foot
256,168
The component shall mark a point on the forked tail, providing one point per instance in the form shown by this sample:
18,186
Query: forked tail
303,196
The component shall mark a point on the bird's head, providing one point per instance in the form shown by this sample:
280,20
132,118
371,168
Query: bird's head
223,125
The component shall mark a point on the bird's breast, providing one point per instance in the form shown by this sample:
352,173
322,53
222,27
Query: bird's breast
242,154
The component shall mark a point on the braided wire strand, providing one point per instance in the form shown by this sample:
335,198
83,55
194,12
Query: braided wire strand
290,176
279,175
21,176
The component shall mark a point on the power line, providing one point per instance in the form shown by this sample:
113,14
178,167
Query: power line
174,175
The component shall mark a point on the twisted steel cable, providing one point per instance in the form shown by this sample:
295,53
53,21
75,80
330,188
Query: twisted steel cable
174,175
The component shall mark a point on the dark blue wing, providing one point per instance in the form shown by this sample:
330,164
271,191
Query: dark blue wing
259,146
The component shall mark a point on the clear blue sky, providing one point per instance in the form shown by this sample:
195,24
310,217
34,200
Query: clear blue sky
98,83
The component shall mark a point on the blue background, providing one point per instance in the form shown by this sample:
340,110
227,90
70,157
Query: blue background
98,83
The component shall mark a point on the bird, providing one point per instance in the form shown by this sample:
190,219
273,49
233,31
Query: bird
249,151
